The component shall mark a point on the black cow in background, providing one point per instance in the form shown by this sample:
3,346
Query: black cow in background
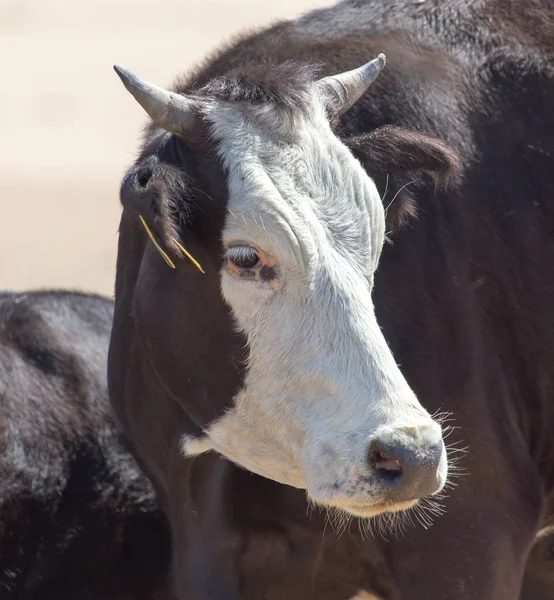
78,519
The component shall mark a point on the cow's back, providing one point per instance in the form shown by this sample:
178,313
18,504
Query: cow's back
77,517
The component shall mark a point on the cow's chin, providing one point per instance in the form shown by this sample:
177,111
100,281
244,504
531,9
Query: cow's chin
367,511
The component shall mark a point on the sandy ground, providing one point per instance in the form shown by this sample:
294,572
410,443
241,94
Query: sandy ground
68,129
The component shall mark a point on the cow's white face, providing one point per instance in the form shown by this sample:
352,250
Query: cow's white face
324,405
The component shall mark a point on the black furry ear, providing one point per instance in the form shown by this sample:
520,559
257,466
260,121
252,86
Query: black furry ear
152,192
398,160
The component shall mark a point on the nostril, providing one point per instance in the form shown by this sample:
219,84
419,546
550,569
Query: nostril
386,466
407,471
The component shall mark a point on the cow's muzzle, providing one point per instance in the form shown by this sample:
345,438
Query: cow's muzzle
408,463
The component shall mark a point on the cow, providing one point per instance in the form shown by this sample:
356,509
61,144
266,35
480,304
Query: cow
78,518
327,272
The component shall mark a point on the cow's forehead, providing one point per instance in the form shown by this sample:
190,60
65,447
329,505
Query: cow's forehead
293,185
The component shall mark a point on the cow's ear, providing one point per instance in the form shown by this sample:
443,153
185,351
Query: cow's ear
153,192
399,161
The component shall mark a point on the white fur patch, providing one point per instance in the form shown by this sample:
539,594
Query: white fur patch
321,380
545,532
192,446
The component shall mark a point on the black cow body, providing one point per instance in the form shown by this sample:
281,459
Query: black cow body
464,295
78,519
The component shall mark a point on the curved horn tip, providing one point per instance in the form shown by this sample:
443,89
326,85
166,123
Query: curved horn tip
121,71
169,110
125,75
375,65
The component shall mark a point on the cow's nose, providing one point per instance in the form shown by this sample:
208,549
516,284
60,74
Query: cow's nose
409,463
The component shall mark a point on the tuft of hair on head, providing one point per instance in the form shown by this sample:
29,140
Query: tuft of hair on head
286,86
398,160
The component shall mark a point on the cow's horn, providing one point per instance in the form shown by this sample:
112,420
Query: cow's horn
171,111
349,86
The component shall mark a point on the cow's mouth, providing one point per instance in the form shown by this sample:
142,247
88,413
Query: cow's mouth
366,511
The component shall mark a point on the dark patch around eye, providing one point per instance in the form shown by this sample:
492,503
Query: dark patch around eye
268,273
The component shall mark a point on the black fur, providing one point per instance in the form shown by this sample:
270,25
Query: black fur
78,519
285,85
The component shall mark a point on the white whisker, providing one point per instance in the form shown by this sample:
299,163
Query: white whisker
396,195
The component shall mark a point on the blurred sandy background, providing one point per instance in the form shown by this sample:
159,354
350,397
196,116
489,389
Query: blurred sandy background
68,128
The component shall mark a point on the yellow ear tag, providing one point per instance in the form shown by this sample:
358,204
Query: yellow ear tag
158,247
190,257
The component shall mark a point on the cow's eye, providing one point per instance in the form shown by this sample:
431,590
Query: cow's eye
243,257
